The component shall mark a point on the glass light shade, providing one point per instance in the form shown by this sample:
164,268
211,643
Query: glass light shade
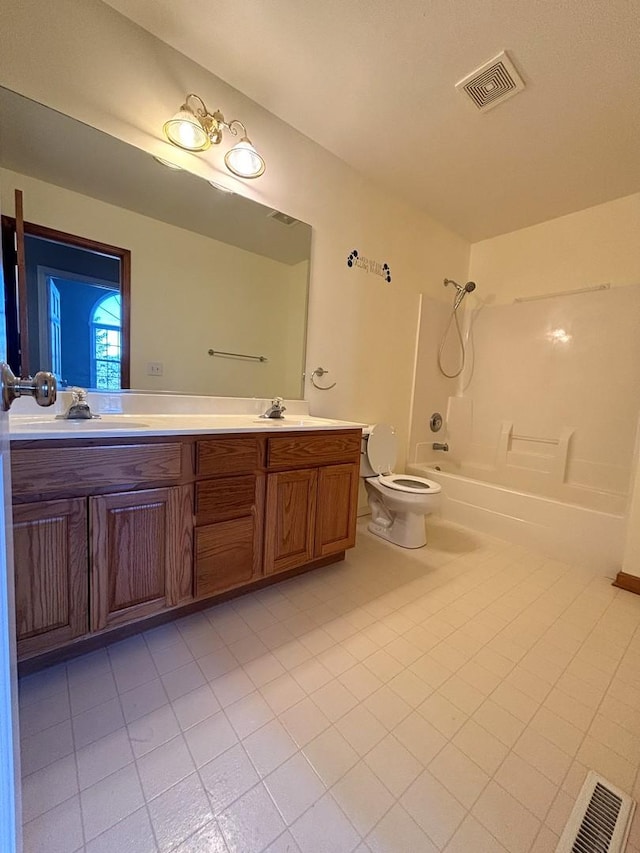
185,131
243,160
221,188
166,163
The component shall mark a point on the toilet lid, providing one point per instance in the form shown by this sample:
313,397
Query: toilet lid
382,448
409,483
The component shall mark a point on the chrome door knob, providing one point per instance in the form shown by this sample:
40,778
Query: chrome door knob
43,387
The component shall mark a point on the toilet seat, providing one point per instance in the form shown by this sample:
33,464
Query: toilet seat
382,447
409,483
381,454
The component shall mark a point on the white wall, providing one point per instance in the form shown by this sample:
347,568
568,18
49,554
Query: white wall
631,559
96,66
432,389
599,245
594,246
555,394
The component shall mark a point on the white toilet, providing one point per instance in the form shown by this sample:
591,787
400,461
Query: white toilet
399,502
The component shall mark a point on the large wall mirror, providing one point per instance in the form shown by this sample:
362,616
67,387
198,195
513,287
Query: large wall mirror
209,270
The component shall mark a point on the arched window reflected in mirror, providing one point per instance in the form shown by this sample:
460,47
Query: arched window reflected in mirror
106,343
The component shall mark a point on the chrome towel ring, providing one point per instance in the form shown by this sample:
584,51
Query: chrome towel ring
320,371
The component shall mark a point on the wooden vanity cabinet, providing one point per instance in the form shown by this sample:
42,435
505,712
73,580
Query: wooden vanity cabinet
108,533
85,562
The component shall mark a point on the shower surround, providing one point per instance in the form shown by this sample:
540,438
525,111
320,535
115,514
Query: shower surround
547,410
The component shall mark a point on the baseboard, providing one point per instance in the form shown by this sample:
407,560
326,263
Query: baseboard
629,582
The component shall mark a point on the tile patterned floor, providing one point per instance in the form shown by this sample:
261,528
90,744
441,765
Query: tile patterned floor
446,699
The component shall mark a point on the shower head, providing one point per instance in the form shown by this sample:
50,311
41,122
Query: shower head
462,291
468,287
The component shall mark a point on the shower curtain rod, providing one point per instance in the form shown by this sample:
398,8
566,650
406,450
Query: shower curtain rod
562,293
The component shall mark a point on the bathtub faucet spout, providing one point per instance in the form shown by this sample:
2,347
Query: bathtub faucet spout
438,445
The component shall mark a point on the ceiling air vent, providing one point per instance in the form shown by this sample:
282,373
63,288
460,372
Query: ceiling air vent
600,820
284,218
492,83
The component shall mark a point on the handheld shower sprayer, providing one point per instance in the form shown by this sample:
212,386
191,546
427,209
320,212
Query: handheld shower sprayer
462,290
469,287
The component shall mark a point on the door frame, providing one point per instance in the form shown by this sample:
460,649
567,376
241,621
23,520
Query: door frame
43,273
10,804
31,229
10,791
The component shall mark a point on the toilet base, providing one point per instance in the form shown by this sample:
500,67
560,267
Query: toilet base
406,530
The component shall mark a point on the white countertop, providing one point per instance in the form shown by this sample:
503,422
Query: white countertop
140,425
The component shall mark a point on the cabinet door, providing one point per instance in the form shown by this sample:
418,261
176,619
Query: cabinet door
51,569
290,517
337,509
141,553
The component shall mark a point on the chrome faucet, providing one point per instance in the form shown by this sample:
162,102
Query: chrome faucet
276,409
438,445
79,410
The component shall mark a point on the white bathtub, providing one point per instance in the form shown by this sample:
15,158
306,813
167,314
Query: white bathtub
564,531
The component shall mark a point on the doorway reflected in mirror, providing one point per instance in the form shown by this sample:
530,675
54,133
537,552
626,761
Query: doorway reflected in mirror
77,304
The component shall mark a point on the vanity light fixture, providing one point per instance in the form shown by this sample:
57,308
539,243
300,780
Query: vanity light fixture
194,128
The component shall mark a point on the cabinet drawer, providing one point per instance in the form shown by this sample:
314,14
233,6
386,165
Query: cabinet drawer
226,555
228,456
225,497
44,471
307,450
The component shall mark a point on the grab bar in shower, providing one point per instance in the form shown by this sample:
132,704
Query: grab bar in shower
238,355
533,438
563,293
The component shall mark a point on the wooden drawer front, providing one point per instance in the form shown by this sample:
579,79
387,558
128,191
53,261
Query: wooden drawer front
306,450
225,498
51,571
225,555
42,471
228,456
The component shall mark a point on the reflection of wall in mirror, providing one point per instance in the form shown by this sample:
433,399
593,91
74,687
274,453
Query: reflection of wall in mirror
190,293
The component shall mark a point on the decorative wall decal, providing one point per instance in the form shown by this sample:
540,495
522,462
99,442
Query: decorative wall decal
355,259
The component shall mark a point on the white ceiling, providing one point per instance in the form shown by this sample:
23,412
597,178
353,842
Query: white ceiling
373,82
